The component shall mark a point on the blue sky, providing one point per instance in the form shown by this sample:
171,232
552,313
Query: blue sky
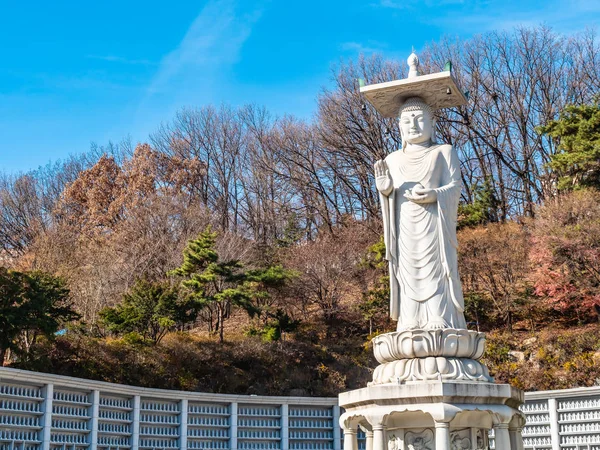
74,72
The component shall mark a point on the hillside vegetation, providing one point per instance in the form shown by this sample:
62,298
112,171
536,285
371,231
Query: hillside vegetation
239,252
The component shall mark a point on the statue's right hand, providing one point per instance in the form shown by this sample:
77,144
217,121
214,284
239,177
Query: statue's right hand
383,181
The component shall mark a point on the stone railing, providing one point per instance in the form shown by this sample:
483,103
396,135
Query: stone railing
43,412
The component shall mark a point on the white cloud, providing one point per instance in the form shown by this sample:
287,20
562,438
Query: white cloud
198,70
212,41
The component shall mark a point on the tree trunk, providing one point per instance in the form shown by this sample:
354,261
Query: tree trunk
221,325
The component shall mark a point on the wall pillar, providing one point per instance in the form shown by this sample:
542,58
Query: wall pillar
48,393
135,423
183,423
442,436
337,435
233,426
285,427
554,434
501,436
93,423
350,439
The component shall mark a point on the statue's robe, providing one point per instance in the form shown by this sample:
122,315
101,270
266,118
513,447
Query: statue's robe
420,239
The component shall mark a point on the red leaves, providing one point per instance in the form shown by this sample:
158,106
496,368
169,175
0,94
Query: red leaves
565,254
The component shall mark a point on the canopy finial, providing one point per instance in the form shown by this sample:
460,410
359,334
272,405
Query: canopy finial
413,65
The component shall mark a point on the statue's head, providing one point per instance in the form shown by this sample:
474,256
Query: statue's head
417,122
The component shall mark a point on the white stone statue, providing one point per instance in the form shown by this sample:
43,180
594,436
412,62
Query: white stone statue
419,188
429,373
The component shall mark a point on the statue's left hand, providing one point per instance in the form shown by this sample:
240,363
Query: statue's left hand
422,195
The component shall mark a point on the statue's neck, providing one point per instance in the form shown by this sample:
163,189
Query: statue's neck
417,148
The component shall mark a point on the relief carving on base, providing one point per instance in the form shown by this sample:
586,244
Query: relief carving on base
460,439
422,440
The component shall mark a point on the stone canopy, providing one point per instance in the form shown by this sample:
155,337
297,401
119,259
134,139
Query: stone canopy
439,90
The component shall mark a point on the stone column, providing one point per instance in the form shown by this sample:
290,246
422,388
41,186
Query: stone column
379,437
473,437
516,439
501,436
442,436
369,440
350,439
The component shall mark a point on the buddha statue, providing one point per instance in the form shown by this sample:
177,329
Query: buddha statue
419,187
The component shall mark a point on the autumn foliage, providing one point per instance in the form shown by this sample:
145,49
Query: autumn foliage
565,253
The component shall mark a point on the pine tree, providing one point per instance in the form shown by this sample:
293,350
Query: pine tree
374,301
482,210
222,285
577,132
151,309
32,304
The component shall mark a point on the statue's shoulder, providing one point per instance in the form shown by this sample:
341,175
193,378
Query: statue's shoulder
393,155
446,150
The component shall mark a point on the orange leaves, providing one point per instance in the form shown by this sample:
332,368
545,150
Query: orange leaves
91,201
105,195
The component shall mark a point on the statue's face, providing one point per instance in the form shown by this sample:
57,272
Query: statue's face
418,444
416,126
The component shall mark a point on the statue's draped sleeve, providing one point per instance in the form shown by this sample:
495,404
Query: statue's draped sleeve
390,238
448,197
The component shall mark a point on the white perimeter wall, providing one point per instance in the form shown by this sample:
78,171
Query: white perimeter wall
49,412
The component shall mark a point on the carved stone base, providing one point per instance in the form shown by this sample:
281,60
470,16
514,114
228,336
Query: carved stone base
431,368
433,415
